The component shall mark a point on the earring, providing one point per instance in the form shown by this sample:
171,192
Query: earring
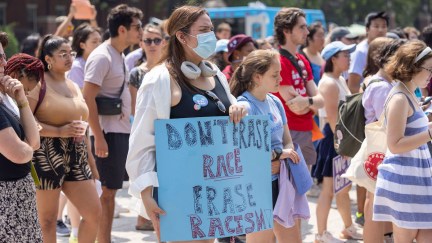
49,66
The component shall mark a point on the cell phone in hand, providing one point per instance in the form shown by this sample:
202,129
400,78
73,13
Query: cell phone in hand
427,100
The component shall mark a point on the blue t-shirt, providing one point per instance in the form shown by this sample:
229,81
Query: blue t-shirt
316,71
271,106
358,59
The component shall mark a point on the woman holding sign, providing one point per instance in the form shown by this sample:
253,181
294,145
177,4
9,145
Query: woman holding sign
333,88
253,81
182,86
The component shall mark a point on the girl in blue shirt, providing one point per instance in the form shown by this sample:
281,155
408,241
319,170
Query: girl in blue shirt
256,77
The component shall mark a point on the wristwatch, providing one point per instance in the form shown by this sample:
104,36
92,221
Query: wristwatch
310,101
278,152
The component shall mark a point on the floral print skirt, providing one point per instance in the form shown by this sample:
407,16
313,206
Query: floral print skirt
18,214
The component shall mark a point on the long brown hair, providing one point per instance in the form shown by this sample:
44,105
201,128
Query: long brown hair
180,20
402,65
257,62
373,55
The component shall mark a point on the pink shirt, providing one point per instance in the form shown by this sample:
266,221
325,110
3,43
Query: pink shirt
104,68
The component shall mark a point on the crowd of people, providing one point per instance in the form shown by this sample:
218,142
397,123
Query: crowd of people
77,112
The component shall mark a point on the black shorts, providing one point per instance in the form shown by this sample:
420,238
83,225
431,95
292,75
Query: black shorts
61,159
112,168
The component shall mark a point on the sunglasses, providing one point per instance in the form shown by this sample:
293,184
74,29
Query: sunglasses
137,26
149,41
216,99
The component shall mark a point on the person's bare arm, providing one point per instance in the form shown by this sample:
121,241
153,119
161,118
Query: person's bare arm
288,93
11,145
13,148
62,28
90,92
424,92
354,82
330,93
133,91
91,160
398,109
312,91
301,105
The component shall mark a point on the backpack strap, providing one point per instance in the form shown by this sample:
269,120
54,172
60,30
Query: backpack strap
42,93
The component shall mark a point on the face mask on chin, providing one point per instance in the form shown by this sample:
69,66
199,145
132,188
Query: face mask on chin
206,44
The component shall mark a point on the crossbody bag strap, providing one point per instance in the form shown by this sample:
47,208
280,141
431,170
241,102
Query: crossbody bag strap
294,62
42,92
124,80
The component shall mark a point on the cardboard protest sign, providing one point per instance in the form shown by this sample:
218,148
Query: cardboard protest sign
83,9
340,165
214,177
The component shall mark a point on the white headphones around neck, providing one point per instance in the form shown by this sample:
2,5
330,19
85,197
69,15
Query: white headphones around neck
192,71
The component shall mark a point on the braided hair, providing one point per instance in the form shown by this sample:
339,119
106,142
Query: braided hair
23,64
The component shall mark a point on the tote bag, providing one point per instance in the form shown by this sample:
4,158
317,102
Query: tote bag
363,169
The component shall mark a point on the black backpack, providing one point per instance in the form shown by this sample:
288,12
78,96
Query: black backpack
350,127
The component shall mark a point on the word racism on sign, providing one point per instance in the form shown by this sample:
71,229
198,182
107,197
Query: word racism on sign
214,177
340,166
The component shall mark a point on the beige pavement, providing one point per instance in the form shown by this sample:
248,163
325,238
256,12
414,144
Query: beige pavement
124,227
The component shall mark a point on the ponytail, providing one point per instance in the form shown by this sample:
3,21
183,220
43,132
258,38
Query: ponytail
50,43
257,62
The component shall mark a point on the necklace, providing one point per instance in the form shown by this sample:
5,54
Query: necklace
411,93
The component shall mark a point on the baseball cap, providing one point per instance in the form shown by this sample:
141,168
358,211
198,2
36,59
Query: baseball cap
236,42
340,32
222,45
334,47
376,15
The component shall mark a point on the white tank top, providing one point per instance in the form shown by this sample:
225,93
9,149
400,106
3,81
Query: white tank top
343,90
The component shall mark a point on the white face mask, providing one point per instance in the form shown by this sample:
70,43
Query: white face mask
206,44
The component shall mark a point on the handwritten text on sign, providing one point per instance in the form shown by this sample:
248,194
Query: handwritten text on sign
340,165
214,177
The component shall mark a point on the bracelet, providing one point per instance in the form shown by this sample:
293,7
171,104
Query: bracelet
23,105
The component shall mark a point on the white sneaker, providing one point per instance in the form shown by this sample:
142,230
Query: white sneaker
120,209
351,233
314,191
388,239
326,237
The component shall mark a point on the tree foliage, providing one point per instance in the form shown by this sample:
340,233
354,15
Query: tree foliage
13,46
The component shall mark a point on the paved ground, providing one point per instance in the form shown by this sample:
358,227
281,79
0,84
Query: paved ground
124,227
